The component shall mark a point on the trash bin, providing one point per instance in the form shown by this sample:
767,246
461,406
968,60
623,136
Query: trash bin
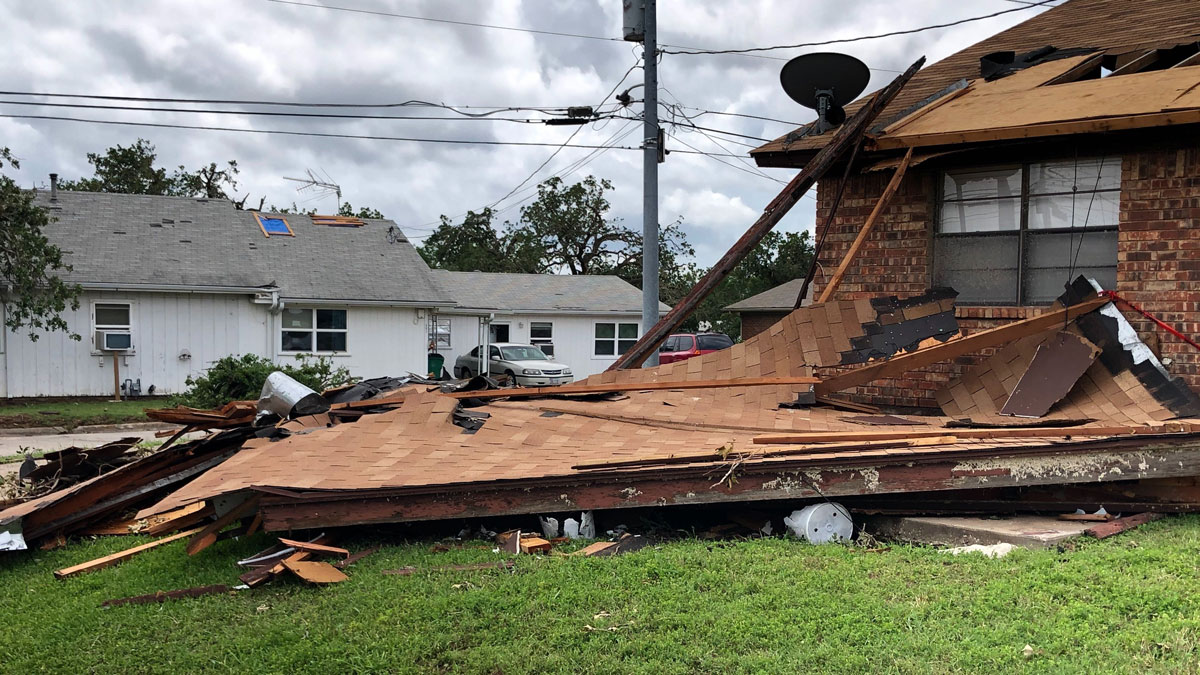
436,361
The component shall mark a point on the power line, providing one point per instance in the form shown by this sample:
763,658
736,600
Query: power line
569,138
728,164
282,132
703,111
272,113
491,110
908,31
602,38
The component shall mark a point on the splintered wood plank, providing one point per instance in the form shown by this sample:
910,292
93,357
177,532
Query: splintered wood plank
315,572
207,536
315,548
562,390
993,337
1105,530
1056,366
120,556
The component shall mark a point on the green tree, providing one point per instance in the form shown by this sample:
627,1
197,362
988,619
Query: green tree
34,296
778,258
474,245
132,170
571,225
365,212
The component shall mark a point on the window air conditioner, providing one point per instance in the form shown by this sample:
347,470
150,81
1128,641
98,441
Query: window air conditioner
114,340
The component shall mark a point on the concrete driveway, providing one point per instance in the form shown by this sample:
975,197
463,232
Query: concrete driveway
12,445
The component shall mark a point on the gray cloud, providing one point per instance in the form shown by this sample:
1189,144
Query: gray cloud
255,50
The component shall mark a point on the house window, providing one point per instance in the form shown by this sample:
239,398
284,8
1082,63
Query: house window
541,335
307,330
613,339
439,333
1012,235
112,316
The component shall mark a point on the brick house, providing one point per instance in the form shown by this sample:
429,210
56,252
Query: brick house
1081,158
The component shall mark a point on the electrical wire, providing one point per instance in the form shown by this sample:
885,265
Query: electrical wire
314,134
515,29
703,111
460,109
554,154
907,31
272,113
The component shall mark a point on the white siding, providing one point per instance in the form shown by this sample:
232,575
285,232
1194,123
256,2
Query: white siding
381,341
573,337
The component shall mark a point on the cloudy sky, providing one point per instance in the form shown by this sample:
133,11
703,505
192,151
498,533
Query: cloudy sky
259,50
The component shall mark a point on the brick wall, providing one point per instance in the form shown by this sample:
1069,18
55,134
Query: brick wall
1158,260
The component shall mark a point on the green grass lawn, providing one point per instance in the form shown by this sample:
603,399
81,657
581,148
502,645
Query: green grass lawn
73,413
1127,604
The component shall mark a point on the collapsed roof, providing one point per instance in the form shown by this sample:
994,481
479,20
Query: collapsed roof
1145,47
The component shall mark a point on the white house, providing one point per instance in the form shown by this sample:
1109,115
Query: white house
174,283
583,321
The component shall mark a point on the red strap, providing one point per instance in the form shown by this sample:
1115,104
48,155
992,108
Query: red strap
1112,295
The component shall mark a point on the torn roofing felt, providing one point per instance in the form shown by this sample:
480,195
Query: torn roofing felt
1122,350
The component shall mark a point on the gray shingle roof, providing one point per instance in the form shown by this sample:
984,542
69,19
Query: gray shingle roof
541,292
181,241
782,298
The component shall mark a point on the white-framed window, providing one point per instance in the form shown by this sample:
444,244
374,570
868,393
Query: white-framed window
110,315
439,333
305,329
1012,235
541,335
613,338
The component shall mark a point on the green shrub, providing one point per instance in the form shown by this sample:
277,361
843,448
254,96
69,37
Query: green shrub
241,378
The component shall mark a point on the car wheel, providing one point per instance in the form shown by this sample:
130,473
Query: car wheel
466,373
512,377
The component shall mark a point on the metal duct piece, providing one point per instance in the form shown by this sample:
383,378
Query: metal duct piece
287,398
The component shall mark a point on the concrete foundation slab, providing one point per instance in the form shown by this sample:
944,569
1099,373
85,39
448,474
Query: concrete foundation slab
1025,531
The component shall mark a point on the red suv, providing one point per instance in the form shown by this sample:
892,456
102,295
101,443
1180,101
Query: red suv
682,346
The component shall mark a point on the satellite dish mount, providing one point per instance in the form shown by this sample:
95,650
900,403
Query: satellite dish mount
825,82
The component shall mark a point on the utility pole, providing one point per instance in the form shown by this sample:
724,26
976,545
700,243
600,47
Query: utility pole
651,151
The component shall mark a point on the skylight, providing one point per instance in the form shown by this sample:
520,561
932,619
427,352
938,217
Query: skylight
273,226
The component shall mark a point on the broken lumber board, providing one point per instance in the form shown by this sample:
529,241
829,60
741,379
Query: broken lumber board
179,518
848,405
865,231
315,572
119,556
535,545
315,548
163,596
407,571
1019,432
1056,366
950,349
595,549
565,389
1112,527
208,535
843,141
261,575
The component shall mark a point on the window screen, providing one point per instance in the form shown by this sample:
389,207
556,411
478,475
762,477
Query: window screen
1017,234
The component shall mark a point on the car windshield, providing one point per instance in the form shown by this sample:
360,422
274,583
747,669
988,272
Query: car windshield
523,353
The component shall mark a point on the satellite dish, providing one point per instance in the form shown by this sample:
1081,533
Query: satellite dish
825,82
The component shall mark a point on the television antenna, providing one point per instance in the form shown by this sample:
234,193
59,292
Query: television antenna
321,187
825,82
